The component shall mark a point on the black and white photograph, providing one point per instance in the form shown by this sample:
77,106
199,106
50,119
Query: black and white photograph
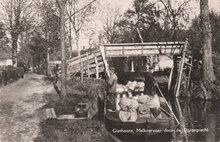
109,71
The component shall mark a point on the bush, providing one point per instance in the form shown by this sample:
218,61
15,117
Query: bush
20,72
11,74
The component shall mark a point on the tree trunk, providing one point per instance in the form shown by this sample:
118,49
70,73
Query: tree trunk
63,49
208,73
79,54
174,28
14,48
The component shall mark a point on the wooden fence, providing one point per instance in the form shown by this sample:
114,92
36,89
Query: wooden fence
91,64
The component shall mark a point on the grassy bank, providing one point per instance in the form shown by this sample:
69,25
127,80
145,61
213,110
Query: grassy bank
72,131
90,130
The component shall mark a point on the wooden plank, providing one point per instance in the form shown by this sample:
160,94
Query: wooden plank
147,43
96,68
104,60
150,52
50,113
131,52
170,79
53,113
91,64
139,53
91,61
94,65
90,57
84,56
180,71
132,47
120,50
87,55
93,71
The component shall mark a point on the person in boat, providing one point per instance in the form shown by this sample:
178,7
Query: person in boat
111,89
150,83
150,89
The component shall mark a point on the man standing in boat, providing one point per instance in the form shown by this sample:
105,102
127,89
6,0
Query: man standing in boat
150,83
111,89
150,89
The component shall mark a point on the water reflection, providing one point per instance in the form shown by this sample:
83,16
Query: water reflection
201,119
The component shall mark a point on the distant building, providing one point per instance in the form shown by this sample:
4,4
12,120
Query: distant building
5,59
5,62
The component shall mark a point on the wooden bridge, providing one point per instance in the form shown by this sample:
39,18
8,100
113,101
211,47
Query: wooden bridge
95,62
143,49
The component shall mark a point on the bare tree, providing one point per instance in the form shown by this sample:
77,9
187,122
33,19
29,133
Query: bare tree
174,14
16,14
208,73
78,13
110,31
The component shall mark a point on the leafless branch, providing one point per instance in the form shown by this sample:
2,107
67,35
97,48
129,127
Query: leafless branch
81,9
58,4
180,7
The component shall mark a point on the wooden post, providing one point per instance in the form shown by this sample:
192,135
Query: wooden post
170,108
181,117
105,62
190,70
140,36
180,72
170,79
96,68
81,68
48,62
87,57
151,60
132,66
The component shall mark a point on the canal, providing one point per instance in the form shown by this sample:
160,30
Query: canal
202,122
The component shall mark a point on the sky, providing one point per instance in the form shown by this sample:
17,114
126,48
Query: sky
125,4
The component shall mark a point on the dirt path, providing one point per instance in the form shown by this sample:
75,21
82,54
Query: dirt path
19,108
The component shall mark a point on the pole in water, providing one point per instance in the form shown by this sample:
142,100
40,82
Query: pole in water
168,105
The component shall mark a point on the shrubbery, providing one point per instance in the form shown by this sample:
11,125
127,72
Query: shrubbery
10,74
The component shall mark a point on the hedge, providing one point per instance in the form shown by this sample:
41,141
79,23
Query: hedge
10,74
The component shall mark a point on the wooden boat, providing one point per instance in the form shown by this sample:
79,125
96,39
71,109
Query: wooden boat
144,125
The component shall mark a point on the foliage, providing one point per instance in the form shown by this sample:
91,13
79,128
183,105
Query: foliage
5,50
50,29
176,13
10,74
74,130
144,17
194,35
18,16
38,51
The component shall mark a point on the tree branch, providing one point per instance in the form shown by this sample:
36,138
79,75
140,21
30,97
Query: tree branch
58,4
81,9
181,6
167,9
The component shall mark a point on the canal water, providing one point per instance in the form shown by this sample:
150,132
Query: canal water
202,123
201,120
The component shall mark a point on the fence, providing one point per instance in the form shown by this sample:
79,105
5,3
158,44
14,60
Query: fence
91,64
